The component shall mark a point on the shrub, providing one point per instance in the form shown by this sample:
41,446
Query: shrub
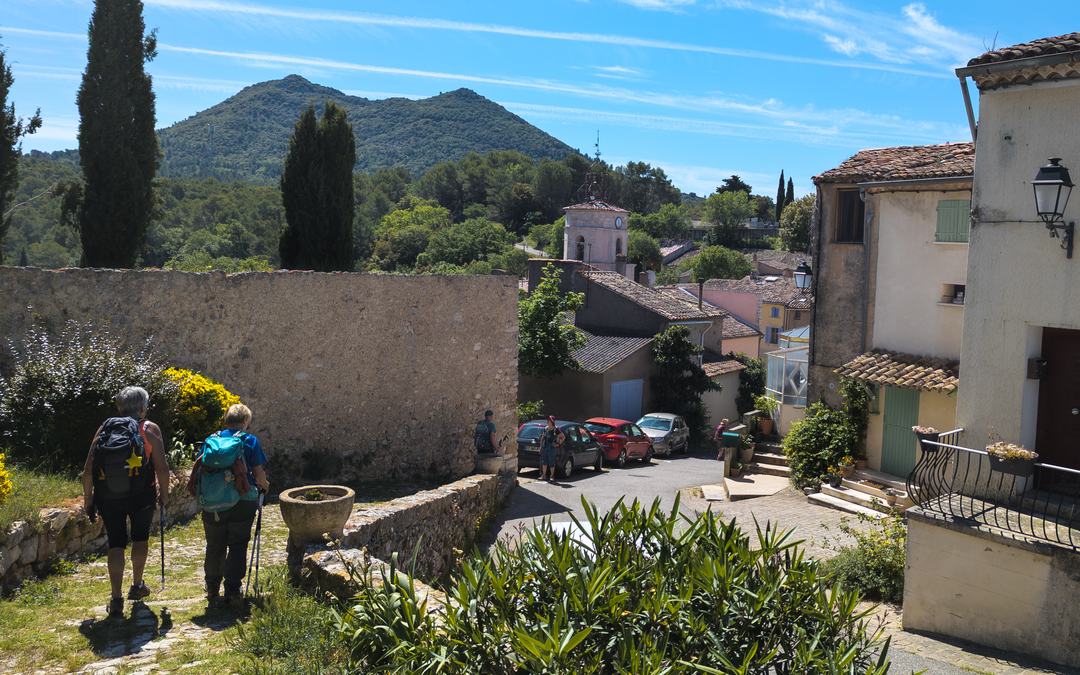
751,381
818,441
62,387
528,410
635,590
875,564
5,480
201,404
856,405
766,405
31,491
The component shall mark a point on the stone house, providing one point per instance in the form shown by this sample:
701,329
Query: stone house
890,264
771,304
994,548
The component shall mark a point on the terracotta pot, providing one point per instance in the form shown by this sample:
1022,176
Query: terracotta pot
309,521
765,426
847,469
860,464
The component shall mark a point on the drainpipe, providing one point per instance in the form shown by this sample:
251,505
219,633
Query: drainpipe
868,219
816,256
967,105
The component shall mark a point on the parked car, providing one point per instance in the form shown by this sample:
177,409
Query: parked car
668,432
580,448
622,440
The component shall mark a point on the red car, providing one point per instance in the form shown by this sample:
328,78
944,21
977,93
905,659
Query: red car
621,440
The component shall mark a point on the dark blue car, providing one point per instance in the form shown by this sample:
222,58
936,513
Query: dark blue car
580,448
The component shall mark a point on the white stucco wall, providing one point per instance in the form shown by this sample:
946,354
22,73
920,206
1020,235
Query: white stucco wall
598,228
721,404
1019,280
912,269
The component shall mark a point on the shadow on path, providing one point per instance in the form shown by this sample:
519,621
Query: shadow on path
110,638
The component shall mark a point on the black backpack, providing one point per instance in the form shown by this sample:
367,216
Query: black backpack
482,437
121,462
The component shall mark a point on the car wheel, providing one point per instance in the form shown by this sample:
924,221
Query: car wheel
647,459
599,465
567,468
621,461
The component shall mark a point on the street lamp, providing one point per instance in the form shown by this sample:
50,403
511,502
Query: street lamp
1052,187
803,276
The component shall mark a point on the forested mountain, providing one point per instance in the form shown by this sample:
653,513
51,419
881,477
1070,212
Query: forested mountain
245,137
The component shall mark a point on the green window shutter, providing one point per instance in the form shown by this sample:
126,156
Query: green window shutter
953,220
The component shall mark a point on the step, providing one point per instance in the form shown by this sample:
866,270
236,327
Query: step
748,486
770,458
772,469
852,483
715,493
842,505
886,479
858,498
771,447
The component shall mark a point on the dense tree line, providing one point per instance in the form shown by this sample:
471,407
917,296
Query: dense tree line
12,130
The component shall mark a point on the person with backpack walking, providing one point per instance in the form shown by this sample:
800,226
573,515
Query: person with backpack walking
124,474
484,434
227,479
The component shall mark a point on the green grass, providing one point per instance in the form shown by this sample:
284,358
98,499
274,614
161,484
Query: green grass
33,491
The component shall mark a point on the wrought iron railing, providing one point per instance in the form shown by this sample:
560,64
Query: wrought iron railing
1035,500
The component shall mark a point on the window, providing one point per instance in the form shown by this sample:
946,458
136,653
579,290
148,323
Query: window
618,247
772,333
953,220
774,312
798,315
850,212
875,398
953,294
581,249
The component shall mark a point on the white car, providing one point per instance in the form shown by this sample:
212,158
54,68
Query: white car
668,432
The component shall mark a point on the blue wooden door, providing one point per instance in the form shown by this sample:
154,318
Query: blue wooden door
897,439
626,399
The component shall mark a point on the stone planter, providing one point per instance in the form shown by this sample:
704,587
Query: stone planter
926,447
308,521
746,455
1016,467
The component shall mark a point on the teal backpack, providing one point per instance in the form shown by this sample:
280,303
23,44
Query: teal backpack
217,488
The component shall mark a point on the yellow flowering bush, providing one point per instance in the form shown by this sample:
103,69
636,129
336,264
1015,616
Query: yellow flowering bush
5,481
201,403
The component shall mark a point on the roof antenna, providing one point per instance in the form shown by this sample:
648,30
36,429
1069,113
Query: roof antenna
596,155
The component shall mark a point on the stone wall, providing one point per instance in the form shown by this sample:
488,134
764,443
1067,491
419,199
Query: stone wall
29,549
353,377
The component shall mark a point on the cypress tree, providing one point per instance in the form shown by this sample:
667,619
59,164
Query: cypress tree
23,260
118,148
780,196
317,193
790,192
12,129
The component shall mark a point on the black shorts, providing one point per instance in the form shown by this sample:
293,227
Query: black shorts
116,513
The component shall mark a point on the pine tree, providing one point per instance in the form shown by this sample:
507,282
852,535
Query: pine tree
118,147
12,129
780,196
790,197
317,193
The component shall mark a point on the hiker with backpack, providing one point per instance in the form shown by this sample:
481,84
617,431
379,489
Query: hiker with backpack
227,479
124,474
484,434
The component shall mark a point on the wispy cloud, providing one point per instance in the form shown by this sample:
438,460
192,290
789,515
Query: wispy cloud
911,38
663,5
363,19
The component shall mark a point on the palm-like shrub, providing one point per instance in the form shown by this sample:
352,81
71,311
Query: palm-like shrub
62,387
635,590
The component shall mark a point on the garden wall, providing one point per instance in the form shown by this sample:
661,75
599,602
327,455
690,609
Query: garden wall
353,377
30,549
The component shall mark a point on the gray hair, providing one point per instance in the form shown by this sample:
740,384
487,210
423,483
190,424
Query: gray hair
132,401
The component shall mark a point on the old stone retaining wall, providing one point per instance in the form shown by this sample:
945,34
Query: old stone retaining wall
426,530
28,549
354,377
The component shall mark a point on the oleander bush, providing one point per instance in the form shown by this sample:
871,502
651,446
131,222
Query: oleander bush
635,590
61,387
875,564
201,404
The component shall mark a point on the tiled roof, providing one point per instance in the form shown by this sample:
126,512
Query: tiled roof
601,352
667,306
737,328
731,326
780,290
1061,44
779,259
682,295
910,162
718,368
904,370
595,205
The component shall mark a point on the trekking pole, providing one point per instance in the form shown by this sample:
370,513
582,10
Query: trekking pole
161,526
253,560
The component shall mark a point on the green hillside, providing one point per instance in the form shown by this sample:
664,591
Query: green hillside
246,136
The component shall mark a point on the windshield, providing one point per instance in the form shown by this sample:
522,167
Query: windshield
657,423
598,428
531,431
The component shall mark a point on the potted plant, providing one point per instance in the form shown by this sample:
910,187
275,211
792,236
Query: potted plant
847,466
312,511
767,407
927,434
890,497
736,468
1012,458
860,463
746,449
833,476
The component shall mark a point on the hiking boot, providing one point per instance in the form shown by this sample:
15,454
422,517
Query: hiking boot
138,591
234,601
116,608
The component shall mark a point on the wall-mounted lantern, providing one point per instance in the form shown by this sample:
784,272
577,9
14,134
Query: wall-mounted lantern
1053,186
803,276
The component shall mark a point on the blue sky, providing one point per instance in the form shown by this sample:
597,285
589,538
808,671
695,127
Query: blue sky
703,88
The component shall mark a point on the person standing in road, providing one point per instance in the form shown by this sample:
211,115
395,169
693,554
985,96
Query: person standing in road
550,441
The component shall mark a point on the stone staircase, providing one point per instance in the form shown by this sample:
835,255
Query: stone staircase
769,458
864,493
